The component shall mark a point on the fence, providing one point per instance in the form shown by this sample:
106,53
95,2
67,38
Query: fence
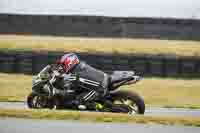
147,65
97,26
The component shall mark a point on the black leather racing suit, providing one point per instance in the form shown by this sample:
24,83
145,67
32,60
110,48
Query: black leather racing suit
94,81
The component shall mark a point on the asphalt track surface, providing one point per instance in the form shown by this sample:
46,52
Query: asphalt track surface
13,125
152,111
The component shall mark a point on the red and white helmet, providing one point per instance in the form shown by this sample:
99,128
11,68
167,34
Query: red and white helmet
69,61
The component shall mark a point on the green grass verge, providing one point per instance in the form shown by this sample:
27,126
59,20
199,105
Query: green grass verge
99,45
98,117
162,92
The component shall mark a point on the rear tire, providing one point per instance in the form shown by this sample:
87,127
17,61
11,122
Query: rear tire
133,97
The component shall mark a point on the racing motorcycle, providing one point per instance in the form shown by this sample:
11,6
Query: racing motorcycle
118,101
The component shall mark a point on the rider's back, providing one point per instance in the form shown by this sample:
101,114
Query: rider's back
88,72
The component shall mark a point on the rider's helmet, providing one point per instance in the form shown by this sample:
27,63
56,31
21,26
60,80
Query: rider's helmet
68,61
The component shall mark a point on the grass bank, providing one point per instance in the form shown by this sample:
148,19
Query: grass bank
98,117
94,45
164,92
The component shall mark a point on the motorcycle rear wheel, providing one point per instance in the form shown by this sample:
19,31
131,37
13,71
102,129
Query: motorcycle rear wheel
132,100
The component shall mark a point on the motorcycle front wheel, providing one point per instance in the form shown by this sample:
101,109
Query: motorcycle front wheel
36,101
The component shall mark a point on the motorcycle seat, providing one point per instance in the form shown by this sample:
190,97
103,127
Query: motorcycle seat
118,76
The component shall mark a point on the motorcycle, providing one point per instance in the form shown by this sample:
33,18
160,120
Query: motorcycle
118,101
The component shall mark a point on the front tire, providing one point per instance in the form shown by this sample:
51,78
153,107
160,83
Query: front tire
36,101
132,100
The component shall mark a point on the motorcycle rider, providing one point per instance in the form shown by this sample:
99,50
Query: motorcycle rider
94,81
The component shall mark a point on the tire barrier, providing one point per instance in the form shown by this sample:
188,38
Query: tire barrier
99,26
147,65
